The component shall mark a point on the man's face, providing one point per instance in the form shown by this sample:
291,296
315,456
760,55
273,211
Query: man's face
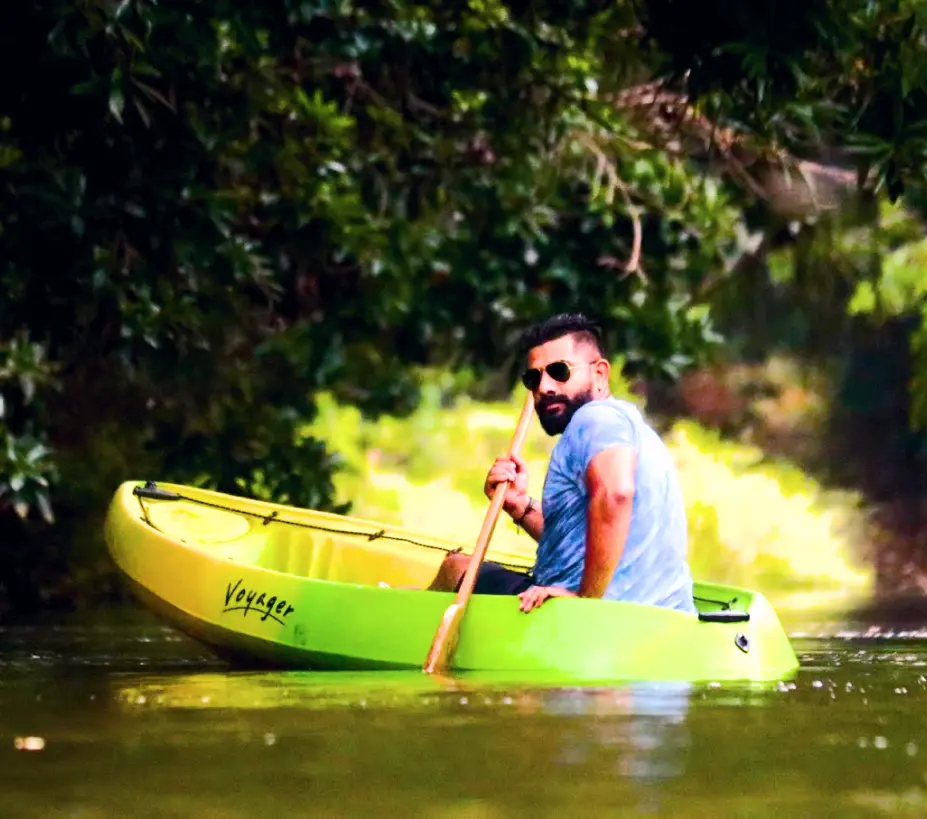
555,401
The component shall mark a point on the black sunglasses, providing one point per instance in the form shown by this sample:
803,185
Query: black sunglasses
558,370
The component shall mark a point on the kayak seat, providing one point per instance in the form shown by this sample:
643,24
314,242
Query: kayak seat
342,558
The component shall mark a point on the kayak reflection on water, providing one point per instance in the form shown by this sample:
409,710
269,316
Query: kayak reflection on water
638,730
641,725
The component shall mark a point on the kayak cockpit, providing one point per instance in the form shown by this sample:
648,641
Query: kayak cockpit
339,549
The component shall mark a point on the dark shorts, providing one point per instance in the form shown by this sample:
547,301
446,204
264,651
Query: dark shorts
494,578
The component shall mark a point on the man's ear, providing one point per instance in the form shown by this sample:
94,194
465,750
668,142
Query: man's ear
603,371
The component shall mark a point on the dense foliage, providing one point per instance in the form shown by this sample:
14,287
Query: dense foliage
847,76
212,211
209,212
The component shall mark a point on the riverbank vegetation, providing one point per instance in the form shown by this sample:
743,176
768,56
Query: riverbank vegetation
753,522
212,215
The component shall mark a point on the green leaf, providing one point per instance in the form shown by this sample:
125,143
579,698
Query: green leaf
117,103
36,453
45,507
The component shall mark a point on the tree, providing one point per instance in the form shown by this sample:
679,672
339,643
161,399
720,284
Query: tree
211,212
806,76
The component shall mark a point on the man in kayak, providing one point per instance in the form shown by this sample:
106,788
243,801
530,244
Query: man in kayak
611,522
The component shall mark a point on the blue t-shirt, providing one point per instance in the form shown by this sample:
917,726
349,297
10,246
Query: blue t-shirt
653,568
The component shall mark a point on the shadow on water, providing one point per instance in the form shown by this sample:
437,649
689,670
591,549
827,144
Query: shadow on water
129,718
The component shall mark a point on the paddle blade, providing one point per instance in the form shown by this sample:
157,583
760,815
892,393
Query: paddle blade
445,640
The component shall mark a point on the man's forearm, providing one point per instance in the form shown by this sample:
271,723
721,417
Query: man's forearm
607,525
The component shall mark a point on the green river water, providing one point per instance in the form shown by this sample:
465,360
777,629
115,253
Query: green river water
121,716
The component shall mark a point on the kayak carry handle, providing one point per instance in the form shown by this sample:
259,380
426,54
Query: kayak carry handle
152,491
724,616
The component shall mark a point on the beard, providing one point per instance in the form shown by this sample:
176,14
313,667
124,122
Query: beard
555,411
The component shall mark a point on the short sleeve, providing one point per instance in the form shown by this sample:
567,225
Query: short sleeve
596,426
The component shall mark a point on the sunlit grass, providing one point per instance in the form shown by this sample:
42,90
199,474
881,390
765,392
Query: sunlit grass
753,523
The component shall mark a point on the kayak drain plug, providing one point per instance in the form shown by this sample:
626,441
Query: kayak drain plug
742,643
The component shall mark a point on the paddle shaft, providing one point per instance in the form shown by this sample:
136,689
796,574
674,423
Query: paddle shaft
445,639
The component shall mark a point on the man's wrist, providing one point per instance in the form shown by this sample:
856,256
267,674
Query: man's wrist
525,511
515,509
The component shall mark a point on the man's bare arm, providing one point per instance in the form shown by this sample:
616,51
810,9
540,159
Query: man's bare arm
610,483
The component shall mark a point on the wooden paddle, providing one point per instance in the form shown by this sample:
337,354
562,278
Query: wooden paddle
445,640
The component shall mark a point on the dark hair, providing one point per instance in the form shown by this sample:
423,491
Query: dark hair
564,324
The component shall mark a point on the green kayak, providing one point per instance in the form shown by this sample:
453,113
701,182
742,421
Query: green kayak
265,585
